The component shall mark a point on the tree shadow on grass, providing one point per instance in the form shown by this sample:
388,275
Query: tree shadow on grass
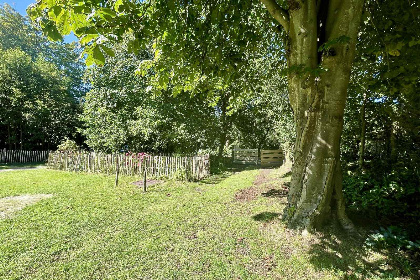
265,216
216,178
275,193
287,174
347,255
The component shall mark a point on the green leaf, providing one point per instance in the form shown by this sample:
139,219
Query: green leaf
64,23
54,12
339,40
107,50
394,52
117,5
144,66
106,14
413,42
95,55
88,38
52,32
98,56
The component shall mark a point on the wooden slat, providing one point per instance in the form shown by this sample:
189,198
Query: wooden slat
271,157
245,156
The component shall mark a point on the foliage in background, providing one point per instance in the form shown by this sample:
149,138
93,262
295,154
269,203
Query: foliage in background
68,146
125,110
121,112
40,85
381,138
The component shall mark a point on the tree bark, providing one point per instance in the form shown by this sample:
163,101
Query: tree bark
21,137
225,126
9,140
318,82
393,142
362,134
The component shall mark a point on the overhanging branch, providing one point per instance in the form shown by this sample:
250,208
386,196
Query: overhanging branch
278,13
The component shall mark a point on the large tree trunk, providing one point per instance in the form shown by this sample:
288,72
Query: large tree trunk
318,82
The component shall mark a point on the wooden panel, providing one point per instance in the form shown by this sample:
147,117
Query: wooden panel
245,156
272,157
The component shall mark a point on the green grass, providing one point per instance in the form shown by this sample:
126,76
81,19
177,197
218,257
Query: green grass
91,230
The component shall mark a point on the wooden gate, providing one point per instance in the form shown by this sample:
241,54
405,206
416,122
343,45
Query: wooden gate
272,157
245,156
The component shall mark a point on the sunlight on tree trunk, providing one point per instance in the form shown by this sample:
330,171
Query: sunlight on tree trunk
318,89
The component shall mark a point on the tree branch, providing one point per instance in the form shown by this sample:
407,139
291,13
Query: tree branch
278,13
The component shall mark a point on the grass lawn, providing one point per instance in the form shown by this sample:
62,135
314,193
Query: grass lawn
222,228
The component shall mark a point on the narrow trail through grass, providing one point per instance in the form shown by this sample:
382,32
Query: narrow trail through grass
89,229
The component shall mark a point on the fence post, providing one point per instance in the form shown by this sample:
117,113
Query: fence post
145,181
117,171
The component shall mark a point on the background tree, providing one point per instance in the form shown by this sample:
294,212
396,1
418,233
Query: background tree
122,112
40,85
381,136
265,120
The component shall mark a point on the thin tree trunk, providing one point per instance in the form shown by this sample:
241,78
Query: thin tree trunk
393,142
9,140
225,126
362,134
16,138
21,137
222,144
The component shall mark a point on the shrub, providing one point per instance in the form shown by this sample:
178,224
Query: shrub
68,146
393,198
392,237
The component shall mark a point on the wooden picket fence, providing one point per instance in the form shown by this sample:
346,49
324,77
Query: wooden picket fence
21,156
245,156
272,157
191,167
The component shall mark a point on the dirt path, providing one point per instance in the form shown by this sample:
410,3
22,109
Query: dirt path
266,184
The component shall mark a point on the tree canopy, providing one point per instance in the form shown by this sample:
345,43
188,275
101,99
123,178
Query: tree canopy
40,85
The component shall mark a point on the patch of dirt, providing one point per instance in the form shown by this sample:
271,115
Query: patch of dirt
148,183
12,204
264,185
247,194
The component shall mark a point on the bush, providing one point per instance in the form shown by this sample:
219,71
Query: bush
68,146
392,237
393,198
219,165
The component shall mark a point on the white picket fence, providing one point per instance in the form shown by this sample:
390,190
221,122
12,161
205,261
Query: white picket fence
191,167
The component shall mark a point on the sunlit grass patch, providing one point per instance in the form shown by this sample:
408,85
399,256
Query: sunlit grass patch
12,204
